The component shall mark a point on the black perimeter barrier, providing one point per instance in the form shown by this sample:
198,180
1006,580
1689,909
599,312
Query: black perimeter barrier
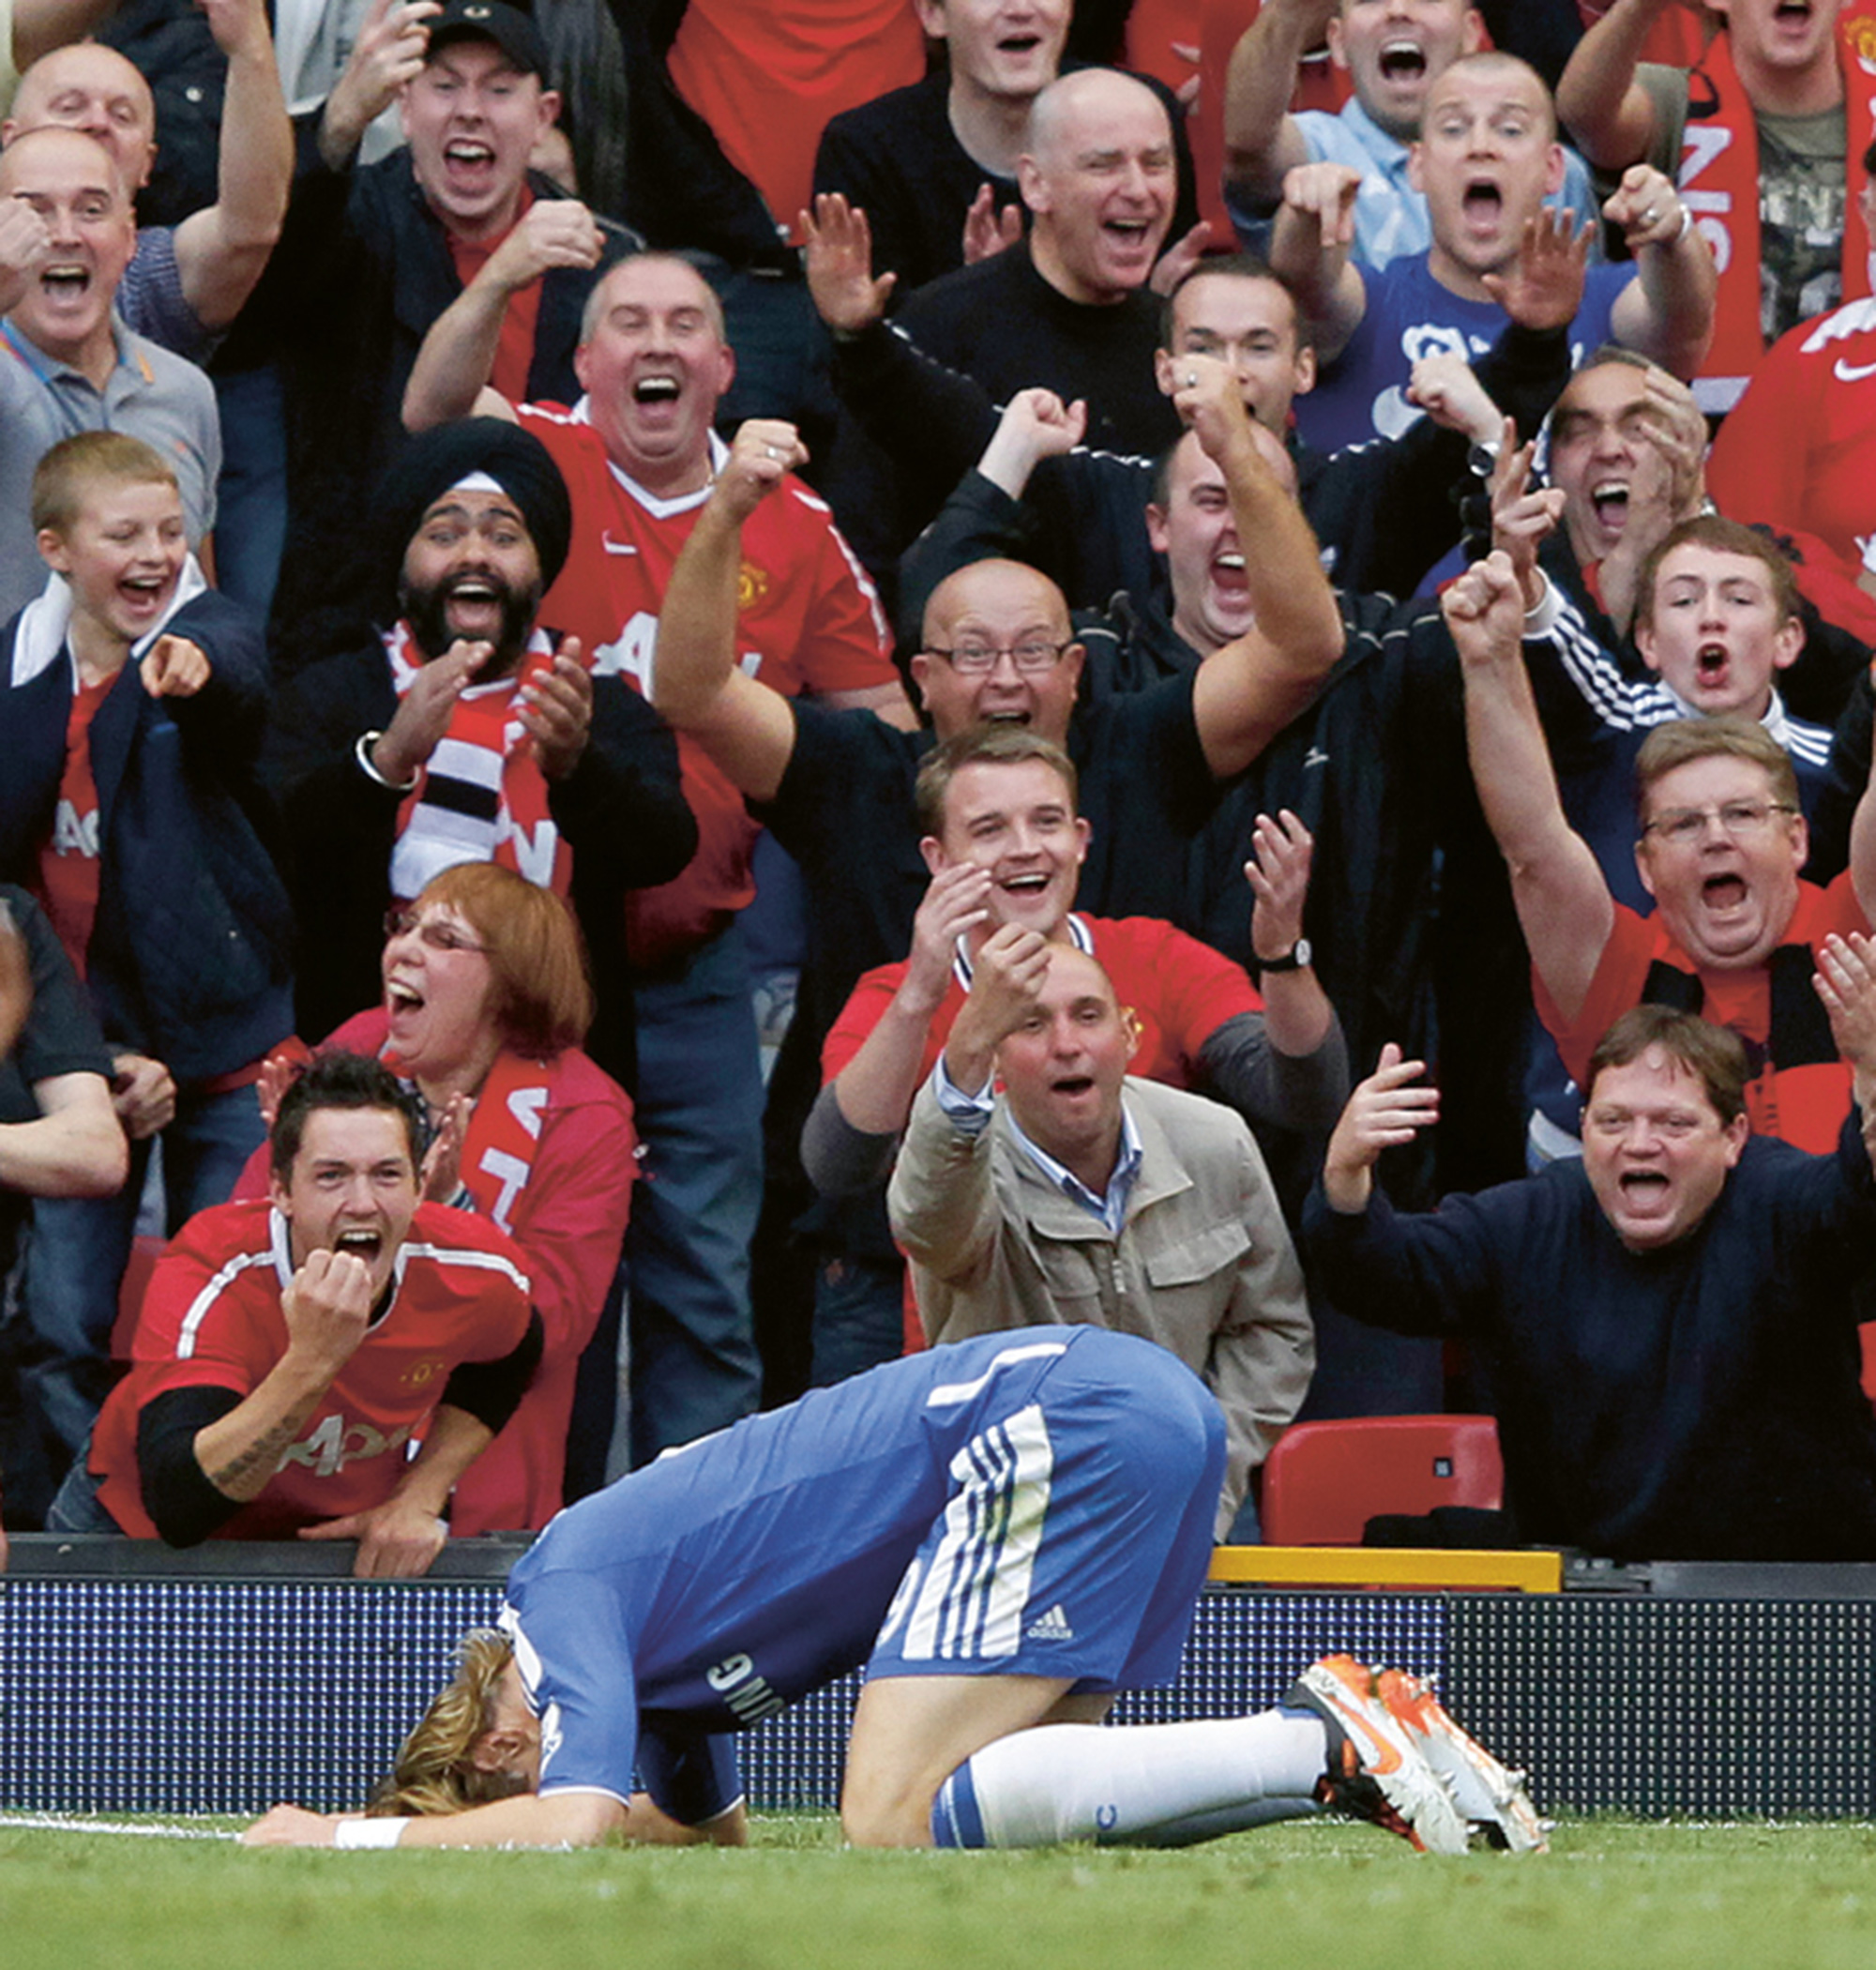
133,1679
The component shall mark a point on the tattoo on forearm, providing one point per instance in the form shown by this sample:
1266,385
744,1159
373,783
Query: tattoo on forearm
263,1455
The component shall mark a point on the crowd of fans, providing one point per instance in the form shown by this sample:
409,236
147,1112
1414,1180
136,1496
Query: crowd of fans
655,656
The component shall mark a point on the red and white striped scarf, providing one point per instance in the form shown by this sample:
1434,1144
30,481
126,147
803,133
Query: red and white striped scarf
481,796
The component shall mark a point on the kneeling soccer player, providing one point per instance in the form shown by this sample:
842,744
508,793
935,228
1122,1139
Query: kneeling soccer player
1006,1531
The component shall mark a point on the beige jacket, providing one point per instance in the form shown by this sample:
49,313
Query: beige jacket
1204,1263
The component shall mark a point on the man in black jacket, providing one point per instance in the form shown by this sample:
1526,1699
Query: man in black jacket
370,256
1383,513
1668,1323
934,165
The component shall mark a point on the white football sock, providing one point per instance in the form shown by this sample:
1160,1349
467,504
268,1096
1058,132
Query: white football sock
1144,1785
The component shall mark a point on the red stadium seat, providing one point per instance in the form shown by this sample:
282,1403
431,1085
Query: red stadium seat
1866,1334
1324,1481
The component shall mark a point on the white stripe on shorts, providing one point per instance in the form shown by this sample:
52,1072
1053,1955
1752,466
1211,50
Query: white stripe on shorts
945,1393
971,1601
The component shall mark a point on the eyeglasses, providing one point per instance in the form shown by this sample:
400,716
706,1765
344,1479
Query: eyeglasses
437,932
1032,654
1739,821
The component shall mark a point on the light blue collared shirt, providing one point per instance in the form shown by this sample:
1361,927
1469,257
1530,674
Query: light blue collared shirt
970,1115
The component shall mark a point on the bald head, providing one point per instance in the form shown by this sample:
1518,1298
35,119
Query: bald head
1099,176
73,185
36,156
92,88
1511,73
1074,972
1070,108
1005,608
1064,1065
1002,588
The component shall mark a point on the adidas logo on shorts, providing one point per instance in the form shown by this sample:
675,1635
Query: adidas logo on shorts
1051,1627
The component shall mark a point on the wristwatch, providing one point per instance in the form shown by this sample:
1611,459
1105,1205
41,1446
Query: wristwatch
1297,958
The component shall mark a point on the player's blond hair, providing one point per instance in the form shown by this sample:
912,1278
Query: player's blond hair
435,1772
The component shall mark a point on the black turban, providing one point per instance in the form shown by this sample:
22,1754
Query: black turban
515,458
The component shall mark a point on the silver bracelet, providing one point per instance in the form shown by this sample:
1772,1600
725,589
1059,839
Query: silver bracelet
362,751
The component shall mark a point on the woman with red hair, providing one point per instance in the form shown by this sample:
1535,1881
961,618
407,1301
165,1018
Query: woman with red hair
486,1001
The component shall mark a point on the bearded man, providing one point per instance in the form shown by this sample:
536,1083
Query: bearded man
467,731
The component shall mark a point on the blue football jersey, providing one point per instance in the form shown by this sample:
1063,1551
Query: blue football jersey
1029,1503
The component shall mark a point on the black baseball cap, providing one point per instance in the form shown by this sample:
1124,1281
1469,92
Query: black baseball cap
511,27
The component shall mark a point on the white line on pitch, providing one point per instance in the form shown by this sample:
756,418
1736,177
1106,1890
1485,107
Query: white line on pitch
61,1823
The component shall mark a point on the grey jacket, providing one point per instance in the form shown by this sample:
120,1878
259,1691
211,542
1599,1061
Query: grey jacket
1203,1264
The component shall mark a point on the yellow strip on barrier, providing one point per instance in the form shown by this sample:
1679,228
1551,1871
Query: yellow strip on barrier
1391,1567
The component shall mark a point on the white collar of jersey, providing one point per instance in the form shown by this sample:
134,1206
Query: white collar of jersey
660,509
44,620
1080,935
528,1658
1777,721
280,1238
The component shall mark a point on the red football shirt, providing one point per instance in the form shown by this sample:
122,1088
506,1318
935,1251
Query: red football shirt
765,75
1797,450
1180,992
68,883
514,348
807,620
1803,1103
212,1318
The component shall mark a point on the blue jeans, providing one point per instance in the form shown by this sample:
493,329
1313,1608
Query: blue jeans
250,526
77,1507
859,1316
691,1338
79,1247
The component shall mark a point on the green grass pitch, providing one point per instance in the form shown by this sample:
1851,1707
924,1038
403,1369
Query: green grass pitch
1611,1893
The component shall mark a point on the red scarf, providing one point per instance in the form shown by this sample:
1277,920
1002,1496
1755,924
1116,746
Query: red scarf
481,796
1719,181
504,1123
504,1134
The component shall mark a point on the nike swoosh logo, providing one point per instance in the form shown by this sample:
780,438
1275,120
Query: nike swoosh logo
1377,1754
1853,372
616,547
